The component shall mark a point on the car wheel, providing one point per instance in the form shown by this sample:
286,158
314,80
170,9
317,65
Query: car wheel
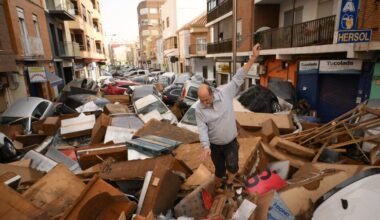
275,106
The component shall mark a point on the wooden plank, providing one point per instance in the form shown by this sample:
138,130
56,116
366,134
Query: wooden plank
56,191
292,147
358,140
294,161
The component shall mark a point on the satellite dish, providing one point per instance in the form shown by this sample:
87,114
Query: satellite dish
262,29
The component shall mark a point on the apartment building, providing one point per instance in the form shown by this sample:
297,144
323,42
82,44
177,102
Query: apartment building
175,14
192,45
29,40
8,68
309,45
87,31
64,50
148,13
220,24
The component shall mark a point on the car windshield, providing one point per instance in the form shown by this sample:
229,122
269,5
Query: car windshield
7,120
161,108
189,117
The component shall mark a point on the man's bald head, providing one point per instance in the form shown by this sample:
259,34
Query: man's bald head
205,95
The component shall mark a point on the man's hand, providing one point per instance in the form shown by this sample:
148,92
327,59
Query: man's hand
206,153
256,51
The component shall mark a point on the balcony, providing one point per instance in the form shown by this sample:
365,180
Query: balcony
32,47
315,32
62,9
220,47
69,49
170,43
198,50
222,8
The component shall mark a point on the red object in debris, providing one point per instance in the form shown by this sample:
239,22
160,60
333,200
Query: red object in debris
70,153
207,199
119,87
266,181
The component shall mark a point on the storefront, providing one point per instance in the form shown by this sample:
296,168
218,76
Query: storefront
332,87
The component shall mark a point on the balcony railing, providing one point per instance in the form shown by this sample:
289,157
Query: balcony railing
221,9
315,32
69,49
170,43
63,9
220,47
32,46
198,49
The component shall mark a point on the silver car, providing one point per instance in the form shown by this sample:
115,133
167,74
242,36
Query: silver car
27,110
151,103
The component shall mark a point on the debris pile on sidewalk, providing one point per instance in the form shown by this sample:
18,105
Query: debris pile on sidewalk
109,164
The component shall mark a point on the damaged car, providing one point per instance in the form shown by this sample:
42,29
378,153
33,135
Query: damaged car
151,104
27,110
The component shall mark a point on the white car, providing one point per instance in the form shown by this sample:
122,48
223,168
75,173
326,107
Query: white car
26,110
150,104
188,121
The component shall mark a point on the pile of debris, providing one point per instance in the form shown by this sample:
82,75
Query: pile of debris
110,164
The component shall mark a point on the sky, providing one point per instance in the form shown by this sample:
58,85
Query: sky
120,18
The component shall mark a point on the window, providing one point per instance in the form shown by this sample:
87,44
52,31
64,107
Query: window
211,4
167,22
144,11
238,30
153,22
84,13
24,30
325,8
88,43
35,26
153,11
144,22
175,92
201,44
78,37
193,92
297,16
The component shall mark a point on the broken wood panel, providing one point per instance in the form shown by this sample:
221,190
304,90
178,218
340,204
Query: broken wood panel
95,187
190,155
76,127
279,155
14,206
28,175
166,130
56,191
110,109
256,120
99,129
292,147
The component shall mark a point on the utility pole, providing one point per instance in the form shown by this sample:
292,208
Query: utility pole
234,35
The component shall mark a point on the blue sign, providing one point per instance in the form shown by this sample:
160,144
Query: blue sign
356,36
348,15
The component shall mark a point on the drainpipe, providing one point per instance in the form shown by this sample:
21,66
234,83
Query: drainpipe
234,31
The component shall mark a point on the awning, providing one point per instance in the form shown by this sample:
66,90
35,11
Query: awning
53,79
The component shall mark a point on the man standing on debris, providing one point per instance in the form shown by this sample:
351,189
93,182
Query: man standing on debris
216,123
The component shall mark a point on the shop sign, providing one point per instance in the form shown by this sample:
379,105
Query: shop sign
340,66
308,67
223,67
37,74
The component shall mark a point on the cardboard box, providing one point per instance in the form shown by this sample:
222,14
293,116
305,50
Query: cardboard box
56,191
269,130
14,206
122,99
100,128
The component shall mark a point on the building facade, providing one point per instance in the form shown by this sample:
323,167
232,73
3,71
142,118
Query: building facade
8,68
149,30
29,36
175,14
192,45
87,31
